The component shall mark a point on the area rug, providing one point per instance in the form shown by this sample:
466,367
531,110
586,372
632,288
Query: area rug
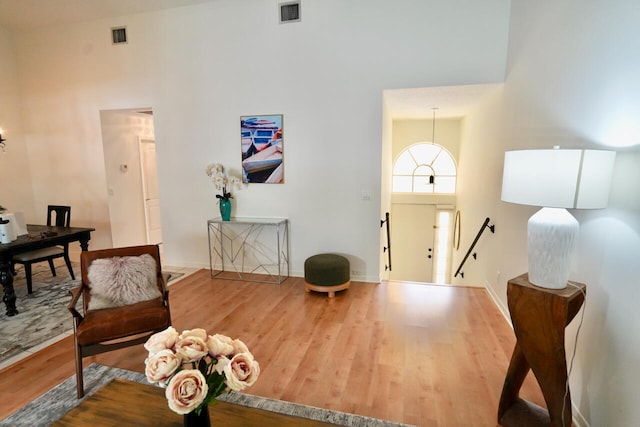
52,405
43,317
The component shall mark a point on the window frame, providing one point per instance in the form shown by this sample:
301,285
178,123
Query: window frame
421,164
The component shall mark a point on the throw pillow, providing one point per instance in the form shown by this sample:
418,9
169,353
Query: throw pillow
119,281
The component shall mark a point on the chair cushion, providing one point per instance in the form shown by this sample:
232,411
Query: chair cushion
118,322
43,253
120,281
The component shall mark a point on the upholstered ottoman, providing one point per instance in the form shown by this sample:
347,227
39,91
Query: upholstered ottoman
326,273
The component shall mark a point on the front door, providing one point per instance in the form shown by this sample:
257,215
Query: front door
412,231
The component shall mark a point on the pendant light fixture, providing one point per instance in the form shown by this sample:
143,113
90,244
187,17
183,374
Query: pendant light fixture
433,138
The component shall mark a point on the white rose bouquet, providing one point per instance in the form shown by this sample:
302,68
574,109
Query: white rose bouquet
195,367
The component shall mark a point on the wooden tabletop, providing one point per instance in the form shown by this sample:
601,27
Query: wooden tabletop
123,402
570,291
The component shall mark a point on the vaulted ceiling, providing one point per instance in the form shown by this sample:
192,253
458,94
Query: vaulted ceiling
411,103
30,14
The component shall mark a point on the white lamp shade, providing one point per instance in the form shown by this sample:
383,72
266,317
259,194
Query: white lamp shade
555,179
578,179
595,183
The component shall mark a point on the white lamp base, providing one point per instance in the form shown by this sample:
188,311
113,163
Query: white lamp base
551,242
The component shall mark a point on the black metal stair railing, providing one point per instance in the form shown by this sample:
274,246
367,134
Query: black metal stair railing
484,226
387,248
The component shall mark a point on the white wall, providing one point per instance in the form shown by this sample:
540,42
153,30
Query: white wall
202,67
15,177
386,183
573,79
407,132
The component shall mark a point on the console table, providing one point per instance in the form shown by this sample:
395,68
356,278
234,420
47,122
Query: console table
539,319
252,249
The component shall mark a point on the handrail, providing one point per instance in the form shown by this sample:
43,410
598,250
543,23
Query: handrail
484,225
388,247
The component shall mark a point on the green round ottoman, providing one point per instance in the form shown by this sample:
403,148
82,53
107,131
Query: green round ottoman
326,273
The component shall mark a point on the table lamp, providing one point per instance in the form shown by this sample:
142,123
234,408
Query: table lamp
556,180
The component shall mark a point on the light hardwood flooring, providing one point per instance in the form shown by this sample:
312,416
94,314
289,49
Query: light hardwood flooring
420,354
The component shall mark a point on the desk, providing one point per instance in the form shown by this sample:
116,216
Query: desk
128,403
539,319
252,249
31,241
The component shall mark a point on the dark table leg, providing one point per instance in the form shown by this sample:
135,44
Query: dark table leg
518,370
6,279
84,241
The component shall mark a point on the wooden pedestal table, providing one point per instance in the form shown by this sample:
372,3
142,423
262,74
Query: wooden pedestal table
539,318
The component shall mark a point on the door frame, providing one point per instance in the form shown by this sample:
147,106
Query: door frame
143,182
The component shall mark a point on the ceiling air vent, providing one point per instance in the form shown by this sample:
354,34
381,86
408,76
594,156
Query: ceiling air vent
119,35
289,11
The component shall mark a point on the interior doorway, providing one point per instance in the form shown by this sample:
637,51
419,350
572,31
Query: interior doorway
424,178
433,115
128,143
150,195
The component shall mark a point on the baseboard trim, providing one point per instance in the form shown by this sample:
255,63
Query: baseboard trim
504,310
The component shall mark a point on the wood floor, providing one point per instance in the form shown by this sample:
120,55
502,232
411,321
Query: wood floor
419,354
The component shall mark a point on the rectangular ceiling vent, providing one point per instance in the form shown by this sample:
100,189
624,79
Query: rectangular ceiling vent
119,35
289,11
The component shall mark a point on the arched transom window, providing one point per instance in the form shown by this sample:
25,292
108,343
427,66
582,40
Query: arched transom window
424,168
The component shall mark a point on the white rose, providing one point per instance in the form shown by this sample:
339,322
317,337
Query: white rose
186,390
160,366
199,332
241,372
239,347
219,345
191,348
222,362
161,340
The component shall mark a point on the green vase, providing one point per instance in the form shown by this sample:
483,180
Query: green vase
225,209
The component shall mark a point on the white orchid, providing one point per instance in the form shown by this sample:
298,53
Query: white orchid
221,180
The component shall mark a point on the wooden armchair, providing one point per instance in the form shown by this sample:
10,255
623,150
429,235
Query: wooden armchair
99,330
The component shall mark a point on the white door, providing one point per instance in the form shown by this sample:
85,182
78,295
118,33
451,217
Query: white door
412,248
150,191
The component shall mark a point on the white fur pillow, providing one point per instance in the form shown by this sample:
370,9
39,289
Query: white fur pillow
122,281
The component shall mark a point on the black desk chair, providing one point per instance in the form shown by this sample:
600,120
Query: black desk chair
62,219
